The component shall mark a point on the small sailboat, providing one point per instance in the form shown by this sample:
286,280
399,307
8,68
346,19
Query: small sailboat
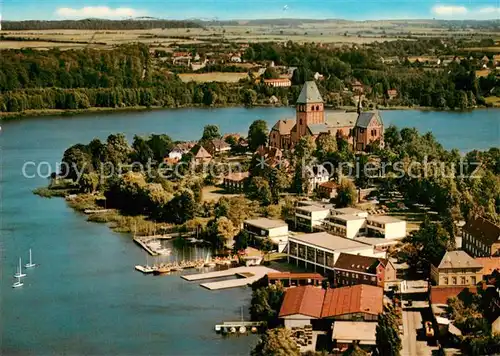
19,272
18,283
31,264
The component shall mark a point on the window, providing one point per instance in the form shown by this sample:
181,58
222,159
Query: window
445,280
454,280
473,280
300,122
312,108
463,281
317,107
373,279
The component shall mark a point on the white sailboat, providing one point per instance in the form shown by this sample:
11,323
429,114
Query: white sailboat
31,264
18,283
19,272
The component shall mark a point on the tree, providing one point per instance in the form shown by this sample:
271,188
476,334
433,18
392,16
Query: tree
304,149
387,335
221,232
276,342
142,152
183,207
257,134
326,145
266,246
266,303
241,241
270,73
160,145
249,97
259,190
211,132
89,182
346,194
355,350
76,160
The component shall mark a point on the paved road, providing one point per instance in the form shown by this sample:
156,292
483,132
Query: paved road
412,321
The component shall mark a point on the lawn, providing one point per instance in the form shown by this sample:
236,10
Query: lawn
493,100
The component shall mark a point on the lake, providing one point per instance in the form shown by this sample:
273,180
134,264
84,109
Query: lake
86,297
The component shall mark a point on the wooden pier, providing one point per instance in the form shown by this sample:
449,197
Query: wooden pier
241,327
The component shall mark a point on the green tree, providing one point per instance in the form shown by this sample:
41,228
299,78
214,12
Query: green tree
346,194
387,335
76,160
326,145
355,350
221,232
257,134
183,207
249,97
211,132
266,303
160,145
276,342
259,190
89,182
142,152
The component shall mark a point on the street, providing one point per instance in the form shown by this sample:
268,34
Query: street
414,345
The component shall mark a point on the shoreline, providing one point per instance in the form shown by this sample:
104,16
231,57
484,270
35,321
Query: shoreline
30,114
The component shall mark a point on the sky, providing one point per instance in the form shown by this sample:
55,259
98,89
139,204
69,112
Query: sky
251,9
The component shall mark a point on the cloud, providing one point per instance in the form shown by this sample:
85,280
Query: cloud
102,12
444,10
492,11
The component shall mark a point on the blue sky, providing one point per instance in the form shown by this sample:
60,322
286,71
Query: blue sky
251,9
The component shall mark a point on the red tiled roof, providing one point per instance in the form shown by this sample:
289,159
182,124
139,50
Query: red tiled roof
441,294
355,299
237,176
306,300
284,126
330,184
489,264
358,263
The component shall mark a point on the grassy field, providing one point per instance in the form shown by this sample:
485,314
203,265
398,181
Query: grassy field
493,100
213,77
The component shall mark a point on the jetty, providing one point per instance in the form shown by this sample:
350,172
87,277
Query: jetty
245,276
152,246
238,327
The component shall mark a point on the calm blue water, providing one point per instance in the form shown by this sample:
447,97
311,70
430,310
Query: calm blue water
85,297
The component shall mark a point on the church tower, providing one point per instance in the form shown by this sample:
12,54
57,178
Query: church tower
309,109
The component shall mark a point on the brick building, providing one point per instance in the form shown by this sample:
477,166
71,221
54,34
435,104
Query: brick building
481,237
356,269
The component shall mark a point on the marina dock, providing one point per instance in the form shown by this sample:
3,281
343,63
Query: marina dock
247,275
238,326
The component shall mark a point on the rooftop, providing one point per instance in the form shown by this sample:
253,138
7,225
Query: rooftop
349,211
341,119
265,223
358,263
383,219
489,264
284,126
458,259
284,275
361,298
305,300
309,94
330,184
237,176
365,118
328,241
345,217
362,331
484,230
312,208
441,294
377,241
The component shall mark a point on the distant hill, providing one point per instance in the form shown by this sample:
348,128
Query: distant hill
141,23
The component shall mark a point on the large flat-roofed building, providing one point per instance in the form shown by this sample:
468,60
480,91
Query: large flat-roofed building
385,226
320,250
457,268
350,211
481,237
274,229
309,217
349,226
344,333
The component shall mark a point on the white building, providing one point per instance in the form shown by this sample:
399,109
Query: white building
385,226
311,216
348,226
344,333
321,250
350,211
262,228
176,154
316,175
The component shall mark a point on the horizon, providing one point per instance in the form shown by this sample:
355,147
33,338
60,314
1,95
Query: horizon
232,10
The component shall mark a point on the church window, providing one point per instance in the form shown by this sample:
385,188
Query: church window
317,107
312,108
300,122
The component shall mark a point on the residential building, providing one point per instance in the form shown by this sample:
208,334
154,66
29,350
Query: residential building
344,333
176,154
262,228
392,94
319,251
217,147
360,129
490,265
481,237
270,156
385,226
315,176
439,295
278,82
301,305
357,87
235,182
328,189
361,302
356,269
280,134
200,155
288,279
310,217
456,268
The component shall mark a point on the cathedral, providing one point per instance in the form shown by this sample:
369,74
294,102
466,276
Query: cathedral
358,128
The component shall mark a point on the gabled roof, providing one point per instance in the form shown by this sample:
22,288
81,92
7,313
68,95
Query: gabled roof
458,259
361,298
305,300
341,119
358,263
483,230
365,118
284,126
220,144
309,94
316,129
200,152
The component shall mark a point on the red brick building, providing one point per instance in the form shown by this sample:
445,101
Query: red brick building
356,269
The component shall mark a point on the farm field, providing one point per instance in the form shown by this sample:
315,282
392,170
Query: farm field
212,77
